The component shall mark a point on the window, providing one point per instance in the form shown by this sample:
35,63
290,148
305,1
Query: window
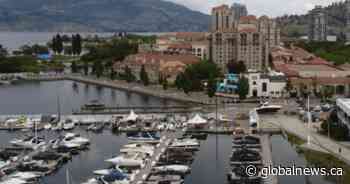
264,87
254,83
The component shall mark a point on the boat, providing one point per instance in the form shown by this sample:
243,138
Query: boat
13,181
29,142
68,124
94,105
239,174
145,137
72,138
185,143
128,160
266,108
179,169
96,127
114,177
47,126
138,148
29,177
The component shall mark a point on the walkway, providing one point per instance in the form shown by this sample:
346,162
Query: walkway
267,158
296,127
146,170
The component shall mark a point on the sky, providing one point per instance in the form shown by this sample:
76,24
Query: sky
271,8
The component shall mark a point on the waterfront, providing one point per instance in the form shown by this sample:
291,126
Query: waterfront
41,97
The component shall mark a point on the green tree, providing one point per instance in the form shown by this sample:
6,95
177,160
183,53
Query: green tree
59,44
129,77
243,89
211,87
86,68
144,76
74,67
98,68
236,67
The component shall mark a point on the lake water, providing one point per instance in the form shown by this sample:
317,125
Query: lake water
210,165
41,97
14,40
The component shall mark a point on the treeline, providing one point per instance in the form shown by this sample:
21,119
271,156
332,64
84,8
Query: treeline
336,52
75,48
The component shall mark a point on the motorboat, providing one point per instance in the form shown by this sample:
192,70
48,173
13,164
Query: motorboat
128,160
102,172
138,148
47,126
29,142
13,181
239,175
68,124
246,140
266,108
72,138
179,169
29,177
145,137
95,127
185,143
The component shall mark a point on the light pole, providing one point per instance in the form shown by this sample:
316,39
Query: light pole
309,120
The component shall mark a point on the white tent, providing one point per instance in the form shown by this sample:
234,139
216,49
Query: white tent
132,116
197,120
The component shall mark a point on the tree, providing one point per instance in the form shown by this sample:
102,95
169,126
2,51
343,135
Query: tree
59,44
144,76
74,67
86,68
211,87
165,84
79,46
236,67
98,68
3,52
129,77
243,88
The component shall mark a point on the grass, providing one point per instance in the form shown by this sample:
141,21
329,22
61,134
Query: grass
64,58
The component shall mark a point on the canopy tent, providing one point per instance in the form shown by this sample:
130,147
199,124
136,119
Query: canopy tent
197,120
132,116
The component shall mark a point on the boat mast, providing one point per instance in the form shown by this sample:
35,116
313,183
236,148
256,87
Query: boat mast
67,177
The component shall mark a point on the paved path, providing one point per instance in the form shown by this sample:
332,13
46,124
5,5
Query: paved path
296,127
267,158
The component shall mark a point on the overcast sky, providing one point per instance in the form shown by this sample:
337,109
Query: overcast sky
259,7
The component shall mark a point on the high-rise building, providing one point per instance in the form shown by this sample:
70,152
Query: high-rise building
317,24
239,10
248,39
347,27
222,19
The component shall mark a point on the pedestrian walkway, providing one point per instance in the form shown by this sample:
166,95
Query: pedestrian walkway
296,127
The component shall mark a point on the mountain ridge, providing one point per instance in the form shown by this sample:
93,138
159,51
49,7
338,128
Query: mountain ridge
99,16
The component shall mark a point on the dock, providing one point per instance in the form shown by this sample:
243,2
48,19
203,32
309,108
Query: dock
266,154
145,171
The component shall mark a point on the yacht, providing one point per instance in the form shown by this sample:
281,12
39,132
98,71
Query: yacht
145,137
29,177
180,169
185,143
72,138
13,181
68,124
266,108
128,160
29,142
138,148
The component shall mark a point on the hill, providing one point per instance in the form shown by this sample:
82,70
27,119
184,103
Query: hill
99,15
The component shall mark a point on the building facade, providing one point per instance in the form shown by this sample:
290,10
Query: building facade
239,10
266,85
317,24
246,39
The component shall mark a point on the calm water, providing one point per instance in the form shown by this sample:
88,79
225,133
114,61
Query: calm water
41,97
14,40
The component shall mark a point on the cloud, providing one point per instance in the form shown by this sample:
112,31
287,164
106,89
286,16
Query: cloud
259,7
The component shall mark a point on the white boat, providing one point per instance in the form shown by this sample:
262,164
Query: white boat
266,108
68,124
72,138
113,177
185,143
102,172
145,137
29,142
25,176
138,148
129,160
182,169
47,126
13,181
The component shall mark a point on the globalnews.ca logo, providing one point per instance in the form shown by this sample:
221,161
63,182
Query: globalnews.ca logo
265,172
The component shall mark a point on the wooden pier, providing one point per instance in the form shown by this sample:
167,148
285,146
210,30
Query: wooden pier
266,154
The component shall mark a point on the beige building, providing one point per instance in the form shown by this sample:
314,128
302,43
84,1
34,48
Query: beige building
248,39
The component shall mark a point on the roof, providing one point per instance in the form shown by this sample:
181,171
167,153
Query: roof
221,7
186,46
248,18
321,80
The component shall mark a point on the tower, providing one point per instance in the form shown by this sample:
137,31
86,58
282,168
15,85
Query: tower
317,24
